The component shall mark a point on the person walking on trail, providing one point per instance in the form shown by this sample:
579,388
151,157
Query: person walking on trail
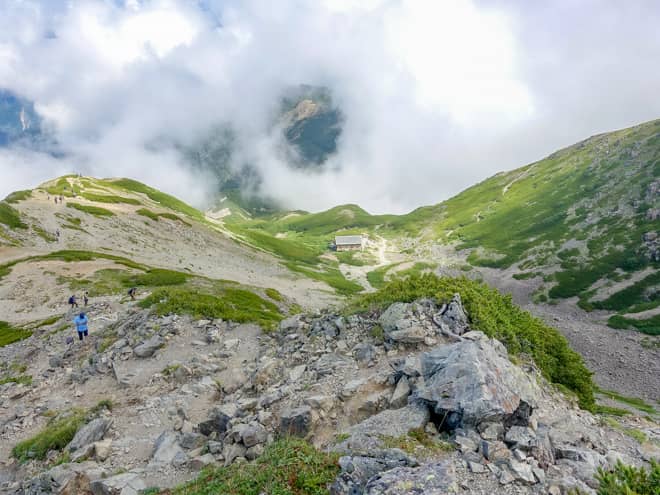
73,302
131,292
86,298
80,322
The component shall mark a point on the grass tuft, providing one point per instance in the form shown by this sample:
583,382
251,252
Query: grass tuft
10,217
9,334
287,467
229,304
97,211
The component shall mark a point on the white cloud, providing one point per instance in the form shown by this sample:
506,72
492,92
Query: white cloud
436,95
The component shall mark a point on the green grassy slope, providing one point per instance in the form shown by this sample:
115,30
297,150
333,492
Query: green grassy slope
598,194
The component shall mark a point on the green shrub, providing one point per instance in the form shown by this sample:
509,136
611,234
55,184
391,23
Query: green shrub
631,401
9,334
22,379
650,326
230,304
156,216
157,277
17,196
172,216
158,196
147,213
630,296
629,480
108,198
97,211
59,431
10,217
274,294
287,467
497,316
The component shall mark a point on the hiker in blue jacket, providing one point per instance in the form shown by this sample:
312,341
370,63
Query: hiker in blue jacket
80,322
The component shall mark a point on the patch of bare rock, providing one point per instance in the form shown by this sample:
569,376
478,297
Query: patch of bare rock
214,393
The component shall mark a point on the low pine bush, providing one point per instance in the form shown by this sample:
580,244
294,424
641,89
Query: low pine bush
496,316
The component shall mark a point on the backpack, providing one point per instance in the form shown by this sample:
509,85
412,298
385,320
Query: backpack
71,300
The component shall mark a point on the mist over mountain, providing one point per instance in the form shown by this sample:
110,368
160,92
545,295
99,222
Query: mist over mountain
425,98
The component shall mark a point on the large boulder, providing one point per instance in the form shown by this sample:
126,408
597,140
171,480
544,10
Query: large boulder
471,382
92,432
149,346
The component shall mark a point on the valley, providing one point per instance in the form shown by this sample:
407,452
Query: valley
247,325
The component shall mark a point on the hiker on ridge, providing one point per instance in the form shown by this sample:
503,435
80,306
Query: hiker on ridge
86,298
80,322
73,302
131,292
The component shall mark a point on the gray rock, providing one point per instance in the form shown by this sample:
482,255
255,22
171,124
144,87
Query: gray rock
476,467
149,347
328,364
496,452
357,470
506,477
254,434
455,317
401,392
430,479
296,422
491,431
393,314
232,452
471,382
521,437
121,484
255,451
296,373
323,402
200,462
364,353
90,433
168,451
522,471
466,444
542,449
413,334
217,423
393,422
290,324
192,440
55,362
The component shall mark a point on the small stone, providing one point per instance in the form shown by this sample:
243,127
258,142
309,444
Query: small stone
506,477
400,395
476,467
539,474
522,471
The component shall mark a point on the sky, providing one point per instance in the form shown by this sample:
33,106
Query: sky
436,95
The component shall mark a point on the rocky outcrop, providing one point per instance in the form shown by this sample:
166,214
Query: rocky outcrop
471,382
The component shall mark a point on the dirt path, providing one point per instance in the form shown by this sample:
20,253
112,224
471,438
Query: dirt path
358,274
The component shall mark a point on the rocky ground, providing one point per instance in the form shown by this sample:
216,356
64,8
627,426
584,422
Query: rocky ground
188,394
